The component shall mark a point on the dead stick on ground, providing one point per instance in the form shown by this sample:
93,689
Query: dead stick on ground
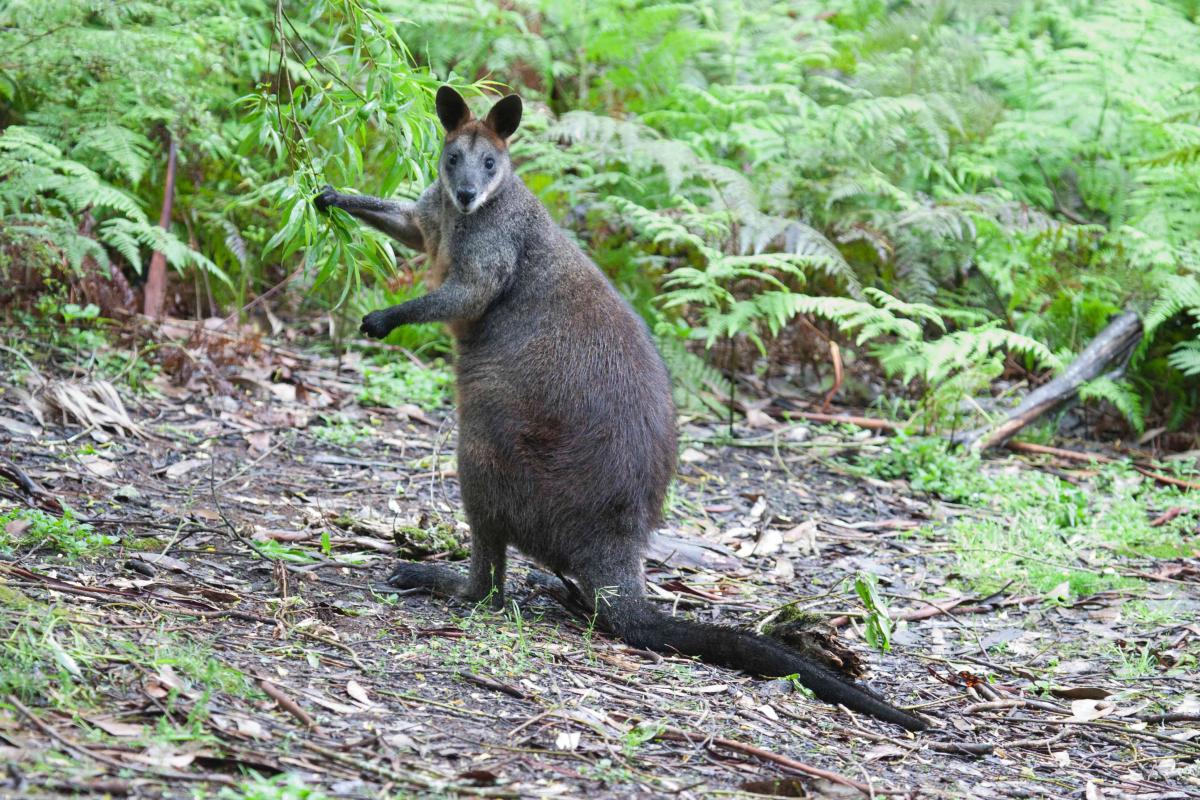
84,752
874,424
286,703
440,786
1080,455
866,423
674,734
31,488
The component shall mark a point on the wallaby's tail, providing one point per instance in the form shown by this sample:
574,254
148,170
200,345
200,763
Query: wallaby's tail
642,625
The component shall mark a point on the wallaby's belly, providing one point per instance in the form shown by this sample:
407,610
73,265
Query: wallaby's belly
565,440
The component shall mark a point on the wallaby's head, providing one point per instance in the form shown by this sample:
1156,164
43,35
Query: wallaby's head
475,158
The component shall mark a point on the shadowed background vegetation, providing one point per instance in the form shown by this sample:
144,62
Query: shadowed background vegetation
959,194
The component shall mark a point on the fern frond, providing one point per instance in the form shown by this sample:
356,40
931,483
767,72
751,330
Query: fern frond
1120,394
1179,293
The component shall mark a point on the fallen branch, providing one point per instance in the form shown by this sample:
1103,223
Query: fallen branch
29,487
835,355
1112,344
677,735
867,423
1079,455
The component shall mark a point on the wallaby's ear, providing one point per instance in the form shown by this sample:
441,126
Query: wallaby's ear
452,109
505,116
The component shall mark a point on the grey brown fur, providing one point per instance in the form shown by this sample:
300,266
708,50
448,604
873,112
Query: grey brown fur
566,424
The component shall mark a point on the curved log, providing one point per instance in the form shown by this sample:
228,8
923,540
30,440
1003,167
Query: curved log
1113,344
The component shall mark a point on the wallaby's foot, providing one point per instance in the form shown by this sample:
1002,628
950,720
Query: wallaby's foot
376,324
443,581
563,590
327,198
541,579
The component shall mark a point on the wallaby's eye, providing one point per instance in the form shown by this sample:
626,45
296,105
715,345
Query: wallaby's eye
489,162
452,160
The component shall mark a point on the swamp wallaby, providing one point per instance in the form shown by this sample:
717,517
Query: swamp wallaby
566,425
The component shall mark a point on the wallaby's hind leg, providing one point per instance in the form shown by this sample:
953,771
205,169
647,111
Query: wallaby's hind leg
484,581
616,589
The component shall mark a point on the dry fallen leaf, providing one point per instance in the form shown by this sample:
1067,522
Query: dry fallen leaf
181,468
769,541
1088,710
759,419
98,466
251,728
358,692
1060,593
115,728
164,561
163,683
885,751
18,428
259,441
567,740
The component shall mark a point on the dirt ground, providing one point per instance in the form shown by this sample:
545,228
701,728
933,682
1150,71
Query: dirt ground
237,622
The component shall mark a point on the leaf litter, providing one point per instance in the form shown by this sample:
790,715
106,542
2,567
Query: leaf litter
242,606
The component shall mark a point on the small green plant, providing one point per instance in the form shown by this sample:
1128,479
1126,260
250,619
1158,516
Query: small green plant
340,430
638,735
45,658
278,551
434,539
1035,526
929,465
400,382
877,625
65,534
606,772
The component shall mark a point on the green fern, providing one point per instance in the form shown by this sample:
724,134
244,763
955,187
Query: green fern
1121,394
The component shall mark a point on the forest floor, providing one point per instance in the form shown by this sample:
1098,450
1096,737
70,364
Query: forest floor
197,609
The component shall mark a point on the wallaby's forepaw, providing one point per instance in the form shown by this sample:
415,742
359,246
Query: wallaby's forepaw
376,325
327,198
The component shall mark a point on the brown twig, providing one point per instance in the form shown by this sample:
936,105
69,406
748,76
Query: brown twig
443,785
84,752
286,703
1079,455
867,423
31,488
835,355
677,735
488,683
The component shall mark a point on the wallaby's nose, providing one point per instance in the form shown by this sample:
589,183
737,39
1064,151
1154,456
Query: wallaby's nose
465,196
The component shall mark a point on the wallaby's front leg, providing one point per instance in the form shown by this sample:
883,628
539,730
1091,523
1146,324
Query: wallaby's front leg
468,291
396,218
451,301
